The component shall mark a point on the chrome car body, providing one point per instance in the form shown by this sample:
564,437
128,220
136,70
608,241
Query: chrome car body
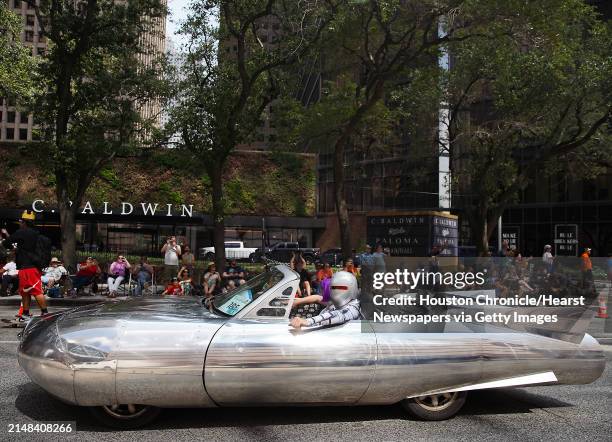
176,353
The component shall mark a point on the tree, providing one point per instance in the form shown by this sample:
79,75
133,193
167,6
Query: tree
97,79
229,76
16,61
379,45
533,103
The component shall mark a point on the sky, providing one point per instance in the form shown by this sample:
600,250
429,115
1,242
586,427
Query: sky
177,13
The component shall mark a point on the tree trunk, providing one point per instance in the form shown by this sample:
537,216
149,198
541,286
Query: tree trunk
218,213
68,229
340,201
479,228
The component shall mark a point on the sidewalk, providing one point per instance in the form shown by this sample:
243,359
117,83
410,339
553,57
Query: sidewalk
82,299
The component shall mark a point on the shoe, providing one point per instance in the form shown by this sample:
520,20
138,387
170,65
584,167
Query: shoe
22,319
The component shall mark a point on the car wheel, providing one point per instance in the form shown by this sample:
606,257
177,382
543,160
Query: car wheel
435,407
309,259
125,416
253,258
209,256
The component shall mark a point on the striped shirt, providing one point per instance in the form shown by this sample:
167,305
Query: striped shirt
333,316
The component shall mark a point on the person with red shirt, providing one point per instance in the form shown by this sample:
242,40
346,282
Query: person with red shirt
587,268
88,271
173,288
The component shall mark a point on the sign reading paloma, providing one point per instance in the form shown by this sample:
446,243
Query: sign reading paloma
148,209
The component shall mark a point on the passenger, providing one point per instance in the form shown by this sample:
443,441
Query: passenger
344,306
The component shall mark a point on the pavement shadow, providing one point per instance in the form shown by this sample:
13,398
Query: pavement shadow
38,405
507,401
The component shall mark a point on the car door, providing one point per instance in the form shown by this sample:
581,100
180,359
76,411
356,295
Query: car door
258,359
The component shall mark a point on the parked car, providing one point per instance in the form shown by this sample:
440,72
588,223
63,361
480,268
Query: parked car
233,250
334,257
282,252
127,359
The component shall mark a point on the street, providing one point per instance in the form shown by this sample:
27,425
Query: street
578,412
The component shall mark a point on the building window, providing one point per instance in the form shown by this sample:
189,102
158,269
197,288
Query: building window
17,4
10,117
41,36
29,20
1,116
23,134
23,118
29,36
40,51
10,133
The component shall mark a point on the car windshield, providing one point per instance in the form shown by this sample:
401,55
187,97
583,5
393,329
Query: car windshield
235,300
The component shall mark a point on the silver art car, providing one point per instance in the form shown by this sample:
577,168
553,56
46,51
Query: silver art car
128,359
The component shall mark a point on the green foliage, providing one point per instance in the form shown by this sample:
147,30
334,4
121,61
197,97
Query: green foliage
16,61
93,81
168,192
534,101
239,196
109,175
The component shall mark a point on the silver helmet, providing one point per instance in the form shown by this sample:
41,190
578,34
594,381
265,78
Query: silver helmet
343,288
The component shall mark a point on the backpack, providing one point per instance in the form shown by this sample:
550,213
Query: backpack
42,252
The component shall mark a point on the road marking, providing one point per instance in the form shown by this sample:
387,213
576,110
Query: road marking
9,342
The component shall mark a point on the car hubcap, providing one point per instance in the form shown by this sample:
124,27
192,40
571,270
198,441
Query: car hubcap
125,411
436,402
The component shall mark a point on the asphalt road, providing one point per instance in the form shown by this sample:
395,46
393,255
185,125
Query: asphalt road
579,412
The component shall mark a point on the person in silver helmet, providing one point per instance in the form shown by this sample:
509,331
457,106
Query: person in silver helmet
344,304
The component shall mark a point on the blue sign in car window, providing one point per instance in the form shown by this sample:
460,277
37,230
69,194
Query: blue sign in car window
237,302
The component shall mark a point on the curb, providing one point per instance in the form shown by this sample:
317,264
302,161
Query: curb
57,302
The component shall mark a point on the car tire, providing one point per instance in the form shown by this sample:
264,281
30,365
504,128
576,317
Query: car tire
309,259
254,258
125,417
209,256
436,407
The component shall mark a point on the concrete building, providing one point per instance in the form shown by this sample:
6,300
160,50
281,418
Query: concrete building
16,126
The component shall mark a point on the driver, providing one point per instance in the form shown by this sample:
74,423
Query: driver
344,306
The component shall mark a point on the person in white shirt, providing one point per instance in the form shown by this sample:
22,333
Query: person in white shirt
10,276
172,253
53,273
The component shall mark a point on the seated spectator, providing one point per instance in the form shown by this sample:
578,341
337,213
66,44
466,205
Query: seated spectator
229,286
116,274
173,288
54,273
10,276
325,271
211,281
321,298
184,278
143,272
298,264
234,273
349,266
88,272
188,259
